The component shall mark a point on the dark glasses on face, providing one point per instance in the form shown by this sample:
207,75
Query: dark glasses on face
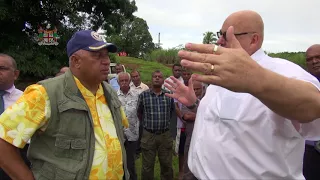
224,34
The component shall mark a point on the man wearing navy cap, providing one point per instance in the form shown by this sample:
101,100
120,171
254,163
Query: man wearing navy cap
75,121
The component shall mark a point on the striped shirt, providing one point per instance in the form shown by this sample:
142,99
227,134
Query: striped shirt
156,110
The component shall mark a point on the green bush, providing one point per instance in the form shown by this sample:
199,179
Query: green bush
295,57
146,68
170,56
164,56
113,58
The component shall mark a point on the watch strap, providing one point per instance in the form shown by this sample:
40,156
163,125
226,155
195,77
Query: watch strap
194,105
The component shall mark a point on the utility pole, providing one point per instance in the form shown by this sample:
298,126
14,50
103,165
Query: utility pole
159,44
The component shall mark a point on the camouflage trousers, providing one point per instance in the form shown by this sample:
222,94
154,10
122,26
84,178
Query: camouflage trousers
153,144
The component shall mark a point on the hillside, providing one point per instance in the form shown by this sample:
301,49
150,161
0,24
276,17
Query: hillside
144,67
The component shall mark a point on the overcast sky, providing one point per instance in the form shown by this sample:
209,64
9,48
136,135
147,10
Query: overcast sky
290,25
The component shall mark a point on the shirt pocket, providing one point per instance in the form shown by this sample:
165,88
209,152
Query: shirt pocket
231,104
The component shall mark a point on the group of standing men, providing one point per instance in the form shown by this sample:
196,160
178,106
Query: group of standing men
80,127
149,113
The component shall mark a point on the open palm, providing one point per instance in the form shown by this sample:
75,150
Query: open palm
182,93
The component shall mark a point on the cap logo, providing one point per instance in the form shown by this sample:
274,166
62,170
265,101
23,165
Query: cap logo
96,36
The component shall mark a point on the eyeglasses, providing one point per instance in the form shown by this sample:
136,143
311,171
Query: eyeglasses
224,34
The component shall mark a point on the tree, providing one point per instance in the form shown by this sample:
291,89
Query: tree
20,20
209,38
134,38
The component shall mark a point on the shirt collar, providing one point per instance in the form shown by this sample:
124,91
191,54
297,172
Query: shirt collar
120,93
258,55
162,91
132,85
85,92
10,90
318,77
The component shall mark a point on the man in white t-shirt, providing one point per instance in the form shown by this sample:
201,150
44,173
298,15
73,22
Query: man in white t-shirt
237,135
136,82
138,86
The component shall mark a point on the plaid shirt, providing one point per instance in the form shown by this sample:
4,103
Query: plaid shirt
156,110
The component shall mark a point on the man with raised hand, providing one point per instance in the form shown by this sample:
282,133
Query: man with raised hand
256,134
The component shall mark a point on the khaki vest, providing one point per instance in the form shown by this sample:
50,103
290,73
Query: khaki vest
65,149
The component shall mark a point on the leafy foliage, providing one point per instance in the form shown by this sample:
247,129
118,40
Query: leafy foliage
146,68
20,19
295,57
170,56
113,58
209,38
134,38
164,56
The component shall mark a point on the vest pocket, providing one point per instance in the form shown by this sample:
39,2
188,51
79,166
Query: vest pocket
74,119
51,172
78,144
72,148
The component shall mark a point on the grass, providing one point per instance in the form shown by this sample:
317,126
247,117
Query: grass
175,165
144,67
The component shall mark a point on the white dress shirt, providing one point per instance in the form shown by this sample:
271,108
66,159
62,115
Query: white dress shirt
237,137
11,96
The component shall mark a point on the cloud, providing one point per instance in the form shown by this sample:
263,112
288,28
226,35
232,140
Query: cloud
290,25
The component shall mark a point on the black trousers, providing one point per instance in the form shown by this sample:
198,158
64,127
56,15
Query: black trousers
131,147
311,163
23,152
138,150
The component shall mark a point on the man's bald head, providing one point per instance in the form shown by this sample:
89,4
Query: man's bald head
315,47
250,29
313,60
244,21
9,58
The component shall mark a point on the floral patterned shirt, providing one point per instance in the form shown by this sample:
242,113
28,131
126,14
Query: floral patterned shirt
129,101
32,111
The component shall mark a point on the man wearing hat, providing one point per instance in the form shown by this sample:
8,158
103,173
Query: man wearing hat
75,121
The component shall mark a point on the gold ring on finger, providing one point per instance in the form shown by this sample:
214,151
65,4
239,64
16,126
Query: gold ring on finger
212,68
215,49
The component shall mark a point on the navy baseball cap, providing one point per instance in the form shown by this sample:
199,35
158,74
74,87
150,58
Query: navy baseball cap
88,40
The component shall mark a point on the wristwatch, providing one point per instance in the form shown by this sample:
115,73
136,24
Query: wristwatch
194,105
